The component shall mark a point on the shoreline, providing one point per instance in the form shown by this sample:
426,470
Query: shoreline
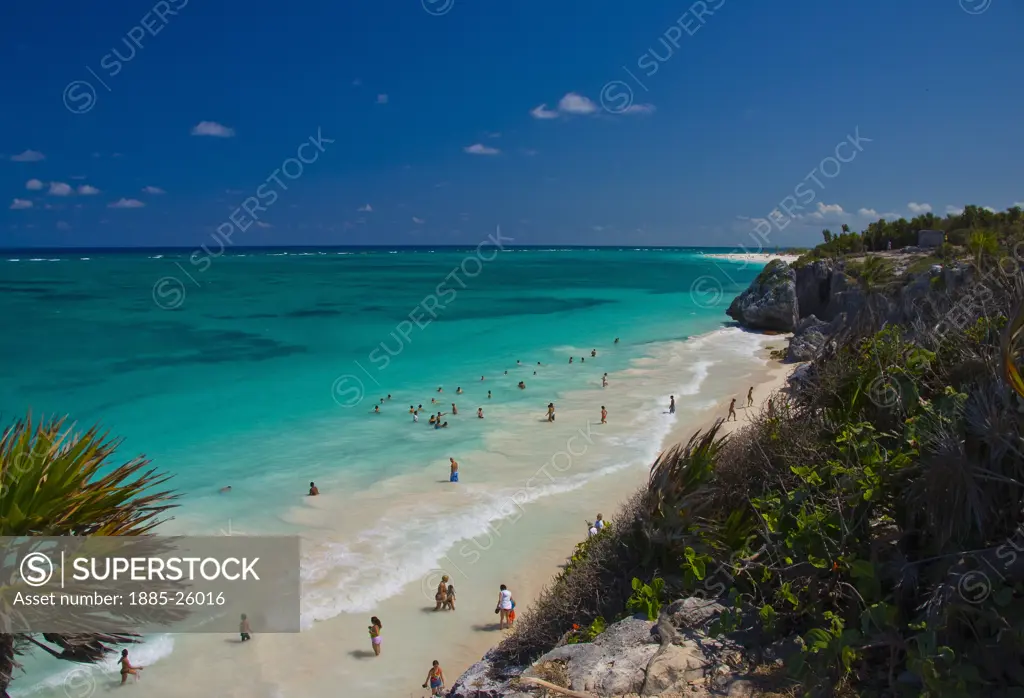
521,547
759,257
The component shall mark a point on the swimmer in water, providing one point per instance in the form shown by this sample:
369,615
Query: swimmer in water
439,389
593,353
313,491
582,359
433,401
570,359
481,377
458,391
455,410
412,410
376,409
616,340
389,396
535,373
488,394
415,417
223,490
480,412
522,385
432,419
419,408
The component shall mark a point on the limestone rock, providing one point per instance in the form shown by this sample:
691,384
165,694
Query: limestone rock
770,303
811,335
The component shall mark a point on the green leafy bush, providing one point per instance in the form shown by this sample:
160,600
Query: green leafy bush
647,598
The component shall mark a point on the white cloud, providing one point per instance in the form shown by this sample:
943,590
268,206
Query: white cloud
573,103
1019,204
86,190
28,156
417,221
34,185
212,128
989,209
954,210
382,99
480,149
126,203
869,213
60,189
826,210
639,109
365,209
20,203
919,208
153,190
542,112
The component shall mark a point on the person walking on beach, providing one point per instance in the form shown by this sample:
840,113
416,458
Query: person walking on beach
435,680
127,668
732,411
551,411
604,415
604,381
504,607
450,603
313,491
442,593
375,640
454,477
244,630
671,404
750,396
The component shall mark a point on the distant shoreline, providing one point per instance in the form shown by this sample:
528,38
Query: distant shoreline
761,257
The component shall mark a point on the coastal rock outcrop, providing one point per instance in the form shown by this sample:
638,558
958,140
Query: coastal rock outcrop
809,338
634,657
770,303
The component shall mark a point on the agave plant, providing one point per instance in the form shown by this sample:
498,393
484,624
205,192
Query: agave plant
54,482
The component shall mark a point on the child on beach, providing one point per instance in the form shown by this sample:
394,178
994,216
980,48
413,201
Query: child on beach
435,680
450,603
375,639
244,630
604,415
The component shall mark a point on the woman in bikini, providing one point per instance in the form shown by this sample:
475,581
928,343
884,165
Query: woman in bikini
435,680
127,668
375,627
441,597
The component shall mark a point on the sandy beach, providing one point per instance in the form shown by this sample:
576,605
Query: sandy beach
529,536
759,257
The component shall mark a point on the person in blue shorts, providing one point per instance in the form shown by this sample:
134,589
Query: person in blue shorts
455,471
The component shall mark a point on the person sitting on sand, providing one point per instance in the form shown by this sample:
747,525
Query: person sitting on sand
604,415
313,491
442,593
454,477
480,412
458,391
750,396
127,668
455,410
244,629
435,680
375,639
732,411
450,603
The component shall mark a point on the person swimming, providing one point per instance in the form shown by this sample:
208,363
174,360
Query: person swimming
522,385
432,419
389,396
593,353
313,491
570,359
439,389
225,490
481,377
488,394
445,425
412,410
415,417
455,410
458,391
480,412
616,340
583,359
376,409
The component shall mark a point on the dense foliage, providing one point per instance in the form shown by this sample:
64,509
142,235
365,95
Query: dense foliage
871,522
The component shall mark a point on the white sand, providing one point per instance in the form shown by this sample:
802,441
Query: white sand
534,531
760,257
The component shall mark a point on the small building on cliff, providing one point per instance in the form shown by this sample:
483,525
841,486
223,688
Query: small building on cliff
930,238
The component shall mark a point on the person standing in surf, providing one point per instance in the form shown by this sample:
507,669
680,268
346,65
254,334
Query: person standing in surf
732,411
454,477
375,639
671,404
504,607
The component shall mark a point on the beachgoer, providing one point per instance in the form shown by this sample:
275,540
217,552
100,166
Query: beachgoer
244,630
539,363
432,419
419,408
599,523
506,373
127,668
551,411
512,614
593,353
518,362
732,410
570,359
225,490
488,394
437,423
415,417
389,396
750,396
671,404
412,410
439,389
433,401
458,391
445,425
375,640
604,381
616,340
522,385
450,603
376,409
454,477
535,373
382,401
442,593
583,359
591,530
604,415
455,410
504,606
771,405
481,377
313,491
480,412
435,680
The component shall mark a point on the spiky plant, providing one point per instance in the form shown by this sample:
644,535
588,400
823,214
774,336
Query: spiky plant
54,482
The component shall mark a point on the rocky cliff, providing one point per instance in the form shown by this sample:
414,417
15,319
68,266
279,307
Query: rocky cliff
771,301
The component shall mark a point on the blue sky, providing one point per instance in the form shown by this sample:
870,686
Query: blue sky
449,117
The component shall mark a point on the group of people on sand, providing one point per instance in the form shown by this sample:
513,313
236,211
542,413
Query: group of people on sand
732,405
445,600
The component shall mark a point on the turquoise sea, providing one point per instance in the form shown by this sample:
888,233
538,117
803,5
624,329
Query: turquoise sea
259,369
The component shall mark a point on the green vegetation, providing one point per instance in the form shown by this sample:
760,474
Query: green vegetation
871,522
51,485
988,230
